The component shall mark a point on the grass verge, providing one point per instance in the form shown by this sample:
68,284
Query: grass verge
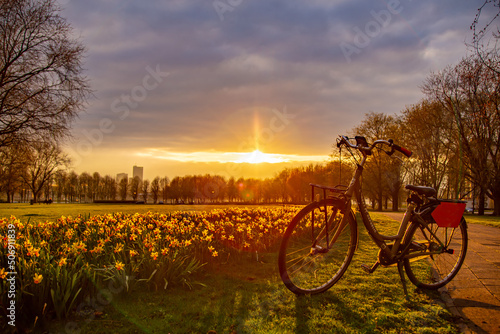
483,220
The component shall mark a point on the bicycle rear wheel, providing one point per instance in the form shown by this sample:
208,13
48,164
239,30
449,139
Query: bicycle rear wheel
436,270
316,248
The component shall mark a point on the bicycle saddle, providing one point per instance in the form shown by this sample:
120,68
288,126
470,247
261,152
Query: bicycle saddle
426,191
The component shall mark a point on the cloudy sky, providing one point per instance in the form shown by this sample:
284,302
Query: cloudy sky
192,87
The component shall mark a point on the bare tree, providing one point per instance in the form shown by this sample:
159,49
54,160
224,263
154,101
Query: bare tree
97,186
145,190
383,177
84,187
135,186
71,185
41,160
470,93
485,34
123,188
42,86
165,188
109,188
429,134
11,167
155,189
61,178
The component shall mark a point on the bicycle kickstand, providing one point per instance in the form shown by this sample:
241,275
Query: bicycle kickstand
402,276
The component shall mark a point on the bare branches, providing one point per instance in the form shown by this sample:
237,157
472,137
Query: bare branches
470,92
42,86
485,37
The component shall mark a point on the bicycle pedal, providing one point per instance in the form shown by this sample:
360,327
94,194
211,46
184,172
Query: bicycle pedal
369,269
366,268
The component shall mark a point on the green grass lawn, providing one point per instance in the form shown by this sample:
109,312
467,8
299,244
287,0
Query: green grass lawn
484,220
246,295
42,212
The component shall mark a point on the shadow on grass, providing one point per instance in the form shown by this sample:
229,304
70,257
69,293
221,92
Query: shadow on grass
246,296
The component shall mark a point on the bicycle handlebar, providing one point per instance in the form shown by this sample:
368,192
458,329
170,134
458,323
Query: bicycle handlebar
403,150
362,145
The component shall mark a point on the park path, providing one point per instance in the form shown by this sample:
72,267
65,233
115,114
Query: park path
474,294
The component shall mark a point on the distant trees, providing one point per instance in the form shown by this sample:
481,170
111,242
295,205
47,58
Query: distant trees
291,185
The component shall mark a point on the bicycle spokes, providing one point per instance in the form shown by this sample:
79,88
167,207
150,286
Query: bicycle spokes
316,248
439,262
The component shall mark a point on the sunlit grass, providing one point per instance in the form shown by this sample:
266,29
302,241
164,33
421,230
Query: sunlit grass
483,220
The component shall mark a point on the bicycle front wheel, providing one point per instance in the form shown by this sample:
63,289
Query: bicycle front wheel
449,246
317,247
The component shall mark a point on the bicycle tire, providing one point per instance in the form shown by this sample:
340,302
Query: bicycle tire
307,265
435,271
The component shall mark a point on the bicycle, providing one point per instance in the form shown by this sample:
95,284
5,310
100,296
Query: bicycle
320,241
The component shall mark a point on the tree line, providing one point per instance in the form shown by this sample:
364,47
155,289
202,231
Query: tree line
290,185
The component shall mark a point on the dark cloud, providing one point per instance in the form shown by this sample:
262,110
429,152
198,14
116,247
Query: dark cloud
229,68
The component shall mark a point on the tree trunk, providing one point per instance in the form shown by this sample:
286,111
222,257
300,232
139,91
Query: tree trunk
380,200
480,210
496,206
395,201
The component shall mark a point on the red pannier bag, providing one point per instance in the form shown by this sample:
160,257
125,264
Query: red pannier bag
449,213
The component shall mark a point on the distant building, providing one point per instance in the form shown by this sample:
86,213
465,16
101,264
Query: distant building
121,176
138,171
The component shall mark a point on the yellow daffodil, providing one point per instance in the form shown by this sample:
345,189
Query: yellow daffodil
119,265
62,262
38,278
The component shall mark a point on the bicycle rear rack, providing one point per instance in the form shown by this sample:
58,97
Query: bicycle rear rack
337,190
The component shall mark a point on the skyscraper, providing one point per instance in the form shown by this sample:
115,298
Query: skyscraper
138,171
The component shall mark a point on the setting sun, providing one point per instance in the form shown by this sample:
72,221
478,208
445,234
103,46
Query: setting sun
257,157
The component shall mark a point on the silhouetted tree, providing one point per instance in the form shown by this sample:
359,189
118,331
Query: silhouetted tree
135,186
11,168
109,188
145,190
155,189
42,85
382,176
41,160
123,188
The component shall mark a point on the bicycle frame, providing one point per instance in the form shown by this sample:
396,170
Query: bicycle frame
390,251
